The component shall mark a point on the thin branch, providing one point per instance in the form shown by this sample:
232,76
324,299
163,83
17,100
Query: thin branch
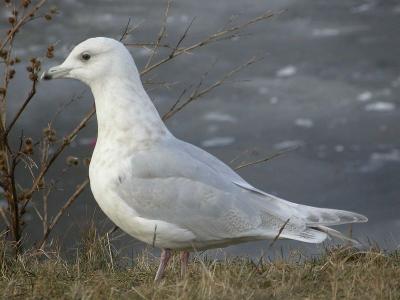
181,39
112,230
218,36
64,105
147,45
67,140
13,200
173,106
14,206
45,209
125,32
3,101
22,108
161,34
21,22
279,233
196,94
265,159
154,236
62,210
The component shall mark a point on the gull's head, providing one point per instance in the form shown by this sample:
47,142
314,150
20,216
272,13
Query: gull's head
94,60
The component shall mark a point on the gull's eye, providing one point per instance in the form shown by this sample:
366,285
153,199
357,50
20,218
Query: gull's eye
85,56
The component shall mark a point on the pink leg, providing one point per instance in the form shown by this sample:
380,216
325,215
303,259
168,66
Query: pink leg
184,262
165,256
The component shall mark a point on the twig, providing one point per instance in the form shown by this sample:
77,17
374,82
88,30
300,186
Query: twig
112,230
45,210
147,45
62,210
161,34
67,140
262,160
22,108
279,233
173,106
181,39
110,252
218,36
196,94
154,236
64,105
14,207
125,32
21,22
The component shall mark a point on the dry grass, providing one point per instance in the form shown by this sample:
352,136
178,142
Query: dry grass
96,272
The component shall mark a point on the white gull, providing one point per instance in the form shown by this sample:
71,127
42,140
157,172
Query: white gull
167,192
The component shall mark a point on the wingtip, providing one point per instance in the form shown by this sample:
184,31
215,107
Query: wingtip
361,219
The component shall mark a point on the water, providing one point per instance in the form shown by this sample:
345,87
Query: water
329,83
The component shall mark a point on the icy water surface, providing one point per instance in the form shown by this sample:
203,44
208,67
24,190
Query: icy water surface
329,83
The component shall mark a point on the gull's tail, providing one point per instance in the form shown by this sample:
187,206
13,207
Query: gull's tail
303,223
317,221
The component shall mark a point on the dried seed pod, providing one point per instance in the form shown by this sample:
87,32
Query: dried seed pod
28,146
25,3
37,64
54,10
48,17
41,183
29,69
11,73
28,150
3,91
33,77
17,60
72,161
26,194
50,51
49,134
3,53
11,20
28,141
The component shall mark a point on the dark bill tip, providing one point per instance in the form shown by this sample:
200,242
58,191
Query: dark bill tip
46,76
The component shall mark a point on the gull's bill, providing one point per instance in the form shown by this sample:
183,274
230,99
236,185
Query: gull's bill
56,72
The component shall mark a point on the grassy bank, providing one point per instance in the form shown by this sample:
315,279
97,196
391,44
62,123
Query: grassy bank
95,272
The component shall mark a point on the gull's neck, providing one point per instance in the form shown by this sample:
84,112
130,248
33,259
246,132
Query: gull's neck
125,113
